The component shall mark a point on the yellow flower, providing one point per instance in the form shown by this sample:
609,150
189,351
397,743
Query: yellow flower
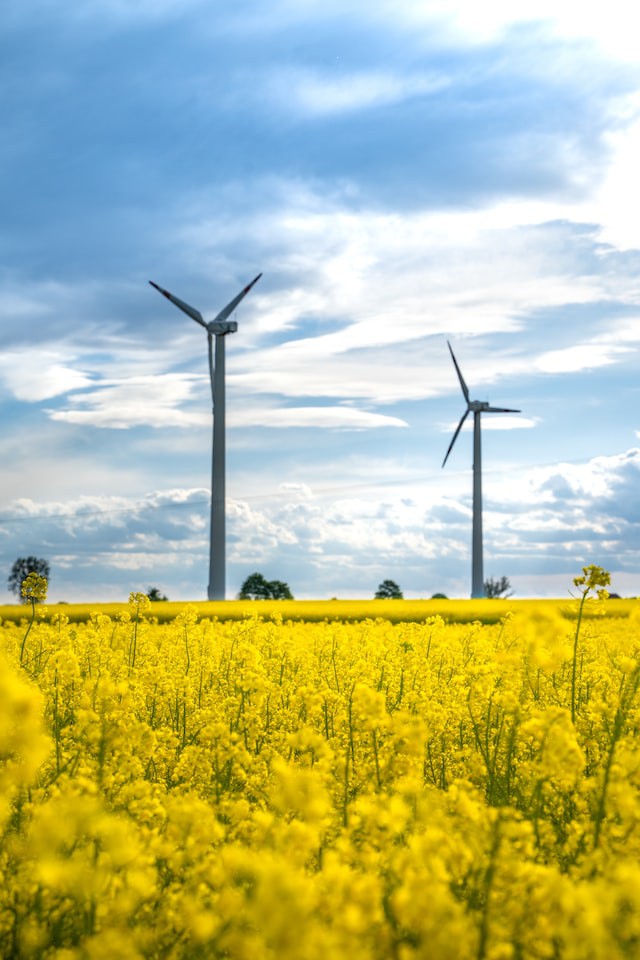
34,587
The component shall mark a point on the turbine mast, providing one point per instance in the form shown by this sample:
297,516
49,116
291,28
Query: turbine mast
477,571
219,327
217,588
477,407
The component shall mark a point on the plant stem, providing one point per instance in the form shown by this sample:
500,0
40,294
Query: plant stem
24,639
575,658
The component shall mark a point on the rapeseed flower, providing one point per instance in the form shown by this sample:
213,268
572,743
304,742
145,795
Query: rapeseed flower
275,789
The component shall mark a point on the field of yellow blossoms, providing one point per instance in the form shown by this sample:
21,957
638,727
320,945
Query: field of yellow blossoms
293,790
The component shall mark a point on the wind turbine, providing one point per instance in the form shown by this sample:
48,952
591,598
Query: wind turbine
219,327
477,407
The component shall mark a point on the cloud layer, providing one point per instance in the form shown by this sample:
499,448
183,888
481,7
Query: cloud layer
343,542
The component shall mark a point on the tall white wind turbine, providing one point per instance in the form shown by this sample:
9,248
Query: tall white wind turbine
219,327
477,407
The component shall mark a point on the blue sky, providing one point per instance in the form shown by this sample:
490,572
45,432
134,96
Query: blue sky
402,174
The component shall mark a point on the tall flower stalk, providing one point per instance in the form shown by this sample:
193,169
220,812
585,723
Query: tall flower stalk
34,589
593,580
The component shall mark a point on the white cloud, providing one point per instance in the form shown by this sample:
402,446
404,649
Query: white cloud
611,27
341,418
585,356
626,330
343,92
301,490
34,375
412,272
597,479
504,421
150,401
616,205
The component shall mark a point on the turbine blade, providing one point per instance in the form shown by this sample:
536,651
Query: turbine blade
455,436
230,307
500,410
190,311
465,389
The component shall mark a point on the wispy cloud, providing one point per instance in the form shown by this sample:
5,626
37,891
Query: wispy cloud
585,356
150,401
330,417
37,375
610,27
342,91
495,422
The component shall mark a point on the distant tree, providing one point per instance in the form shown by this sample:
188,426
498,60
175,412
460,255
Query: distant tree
494,589
257,587
154,594
439,596
21,570
388,590
280,590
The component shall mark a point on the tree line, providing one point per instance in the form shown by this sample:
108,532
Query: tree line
255,586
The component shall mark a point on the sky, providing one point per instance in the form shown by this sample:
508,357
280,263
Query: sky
403,174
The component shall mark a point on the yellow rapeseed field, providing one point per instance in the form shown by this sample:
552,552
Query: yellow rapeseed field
306,790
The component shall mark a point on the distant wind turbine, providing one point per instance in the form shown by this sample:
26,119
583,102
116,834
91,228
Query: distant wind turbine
478,407
219,327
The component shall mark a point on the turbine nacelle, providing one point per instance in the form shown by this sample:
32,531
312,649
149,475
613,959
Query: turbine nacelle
221,329
483,406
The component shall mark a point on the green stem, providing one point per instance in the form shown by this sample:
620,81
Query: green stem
345,806
134,639
24,639
56,721
376,758
575,658
186,647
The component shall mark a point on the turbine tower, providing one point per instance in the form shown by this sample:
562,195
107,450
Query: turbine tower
477,407
219,327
